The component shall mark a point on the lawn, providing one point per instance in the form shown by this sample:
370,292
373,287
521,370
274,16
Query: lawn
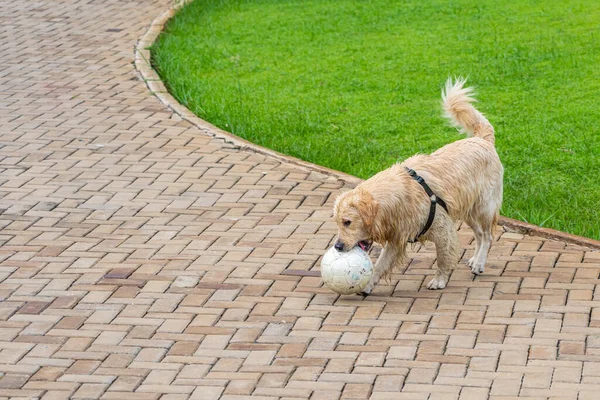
355,86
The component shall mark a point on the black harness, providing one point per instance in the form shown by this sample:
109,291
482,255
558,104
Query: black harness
432,197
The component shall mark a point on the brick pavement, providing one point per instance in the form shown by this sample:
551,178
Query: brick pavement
142,259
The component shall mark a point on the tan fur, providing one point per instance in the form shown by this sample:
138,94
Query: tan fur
456,103
391,208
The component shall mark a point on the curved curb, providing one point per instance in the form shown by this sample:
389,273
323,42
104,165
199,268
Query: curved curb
155,85
534,230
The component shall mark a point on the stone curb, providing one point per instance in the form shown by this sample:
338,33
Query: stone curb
157,88
534,230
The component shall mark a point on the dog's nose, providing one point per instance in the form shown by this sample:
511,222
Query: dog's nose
339,246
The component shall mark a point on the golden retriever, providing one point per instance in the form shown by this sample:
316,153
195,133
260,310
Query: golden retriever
392,208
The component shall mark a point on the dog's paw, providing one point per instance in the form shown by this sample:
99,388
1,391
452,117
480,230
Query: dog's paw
477,268
438,282
367,290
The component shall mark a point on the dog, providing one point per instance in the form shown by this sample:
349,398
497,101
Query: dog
394,208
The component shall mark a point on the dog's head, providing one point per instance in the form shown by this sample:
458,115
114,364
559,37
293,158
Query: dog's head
355,213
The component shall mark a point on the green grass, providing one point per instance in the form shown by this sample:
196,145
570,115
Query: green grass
355,86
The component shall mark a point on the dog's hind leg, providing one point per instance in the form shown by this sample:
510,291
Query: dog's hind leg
482,219
483,229
479,238
447,247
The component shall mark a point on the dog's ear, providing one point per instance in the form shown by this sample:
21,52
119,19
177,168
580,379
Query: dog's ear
367,207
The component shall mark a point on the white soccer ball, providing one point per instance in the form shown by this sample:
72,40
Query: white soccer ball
346,272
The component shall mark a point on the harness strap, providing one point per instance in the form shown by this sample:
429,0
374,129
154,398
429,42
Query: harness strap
432,198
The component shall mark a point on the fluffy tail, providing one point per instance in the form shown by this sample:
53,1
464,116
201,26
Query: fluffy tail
456,102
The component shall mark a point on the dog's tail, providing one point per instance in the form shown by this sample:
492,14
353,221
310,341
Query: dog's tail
456,103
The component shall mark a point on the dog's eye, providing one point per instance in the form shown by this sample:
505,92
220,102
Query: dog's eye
347,223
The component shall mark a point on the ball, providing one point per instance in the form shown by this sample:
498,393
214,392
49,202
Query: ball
346,272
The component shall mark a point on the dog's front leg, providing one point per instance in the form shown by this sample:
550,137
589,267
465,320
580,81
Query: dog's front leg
387,259
447,247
